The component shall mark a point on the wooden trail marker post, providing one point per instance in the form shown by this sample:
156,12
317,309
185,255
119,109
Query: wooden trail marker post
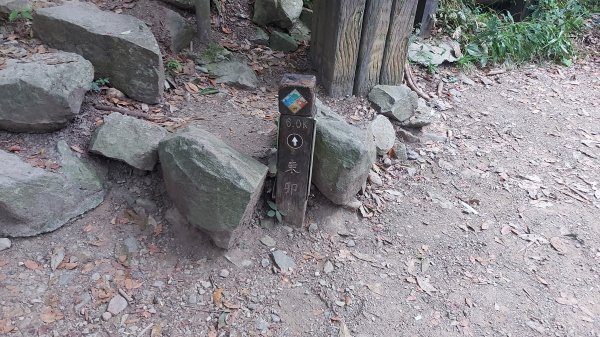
295,145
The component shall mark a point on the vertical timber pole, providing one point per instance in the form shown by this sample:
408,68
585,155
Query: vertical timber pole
295,145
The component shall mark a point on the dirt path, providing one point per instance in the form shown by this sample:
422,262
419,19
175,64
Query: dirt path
491,230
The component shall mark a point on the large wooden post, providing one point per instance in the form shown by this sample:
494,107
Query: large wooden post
335,42
396,46
295,144
426,10
372,45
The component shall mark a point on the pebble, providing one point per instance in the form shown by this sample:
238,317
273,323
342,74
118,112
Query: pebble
313,228
4,244
116,305
328,268
193,298
375,179
268,241
261,324
265,263
351,243
206,284
224,273
287,229
283,261
158,284
106,316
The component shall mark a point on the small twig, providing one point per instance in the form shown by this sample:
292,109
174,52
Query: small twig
127,297
574,190
496,72
122,110
145,330
408,75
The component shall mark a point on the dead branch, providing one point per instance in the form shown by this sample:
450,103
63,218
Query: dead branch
408,75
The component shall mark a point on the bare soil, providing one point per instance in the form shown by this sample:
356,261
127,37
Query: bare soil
492,229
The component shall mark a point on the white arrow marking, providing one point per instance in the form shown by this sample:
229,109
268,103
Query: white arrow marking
294,141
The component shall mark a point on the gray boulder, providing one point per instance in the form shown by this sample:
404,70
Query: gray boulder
212,185
260,36
35,201
233,73
343,157
300,32
7,6
282,41
281,12
43,93
384,134
421,117
128,139
180,31
121,47
183,4
397,102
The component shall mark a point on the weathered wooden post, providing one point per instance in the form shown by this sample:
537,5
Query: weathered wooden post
295,145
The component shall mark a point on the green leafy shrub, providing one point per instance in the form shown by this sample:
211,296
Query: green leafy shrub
490,37
20,14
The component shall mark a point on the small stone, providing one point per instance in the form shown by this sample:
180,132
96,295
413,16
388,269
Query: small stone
384,134
224,273
106,316
206,284
282,42
261,324
5,244
283,261
328,268
260,37
113,92
193,298
268,241
265,263
287,229
275,318
375,179
116,305
95,277
351,243
313,228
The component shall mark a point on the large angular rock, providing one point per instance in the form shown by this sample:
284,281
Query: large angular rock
128,139
7,6
384,134
121,47
397,102
234,73
35,201
421,117
282,41
183,4
44,92
343,157
212,185
180,31
281,12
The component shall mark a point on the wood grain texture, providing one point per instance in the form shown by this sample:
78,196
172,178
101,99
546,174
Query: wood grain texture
376,22
394,56
426,10
338,27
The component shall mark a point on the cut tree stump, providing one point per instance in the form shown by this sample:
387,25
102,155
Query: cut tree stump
357,44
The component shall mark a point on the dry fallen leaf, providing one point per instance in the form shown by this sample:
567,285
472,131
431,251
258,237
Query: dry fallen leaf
424,284
29,264
344,331
217,296
156,330
559,244
5,326
50,315
566,300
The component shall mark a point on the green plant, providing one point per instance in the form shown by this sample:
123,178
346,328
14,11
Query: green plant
214,53
20,14
174,65
274,212
98,83
490,37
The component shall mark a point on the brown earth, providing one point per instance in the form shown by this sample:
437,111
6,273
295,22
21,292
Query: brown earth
492,229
